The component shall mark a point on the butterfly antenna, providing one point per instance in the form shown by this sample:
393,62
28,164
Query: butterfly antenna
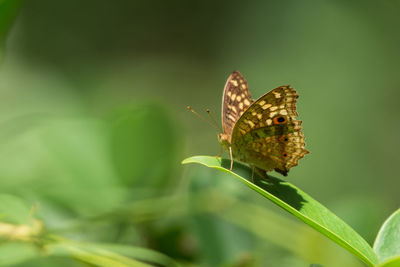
212,118
198,115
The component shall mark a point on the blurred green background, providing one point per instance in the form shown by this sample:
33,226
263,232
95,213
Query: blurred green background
93,124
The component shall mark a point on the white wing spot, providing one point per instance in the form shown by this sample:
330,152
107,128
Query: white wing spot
233,108
273,108
238,98
233,97
249,122
261,103
254,113
277,95
247,102
266,106
273,114
234,82
229,93
269,122
259,116
243,86
241,105
282,106
231,117
283,112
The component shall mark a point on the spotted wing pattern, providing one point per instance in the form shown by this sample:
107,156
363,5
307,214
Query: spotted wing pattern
236,99
268,135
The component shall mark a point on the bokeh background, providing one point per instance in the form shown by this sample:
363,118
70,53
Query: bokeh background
93,124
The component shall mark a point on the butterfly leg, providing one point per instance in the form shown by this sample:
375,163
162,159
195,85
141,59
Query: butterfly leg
230,154
262,173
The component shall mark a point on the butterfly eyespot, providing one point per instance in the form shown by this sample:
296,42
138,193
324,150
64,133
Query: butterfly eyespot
284,155
279,120
284,139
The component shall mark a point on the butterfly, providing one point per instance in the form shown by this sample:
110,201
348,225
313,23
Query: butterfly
263,133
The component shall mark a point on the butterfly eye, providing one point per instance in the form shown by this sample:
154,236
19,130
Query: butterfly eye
279,120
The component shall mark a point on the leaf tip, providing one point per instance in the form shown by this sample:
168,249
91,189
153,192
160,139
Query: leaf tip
187,160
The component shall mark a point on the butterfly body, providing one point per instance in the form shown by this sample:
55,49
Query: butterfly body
263,133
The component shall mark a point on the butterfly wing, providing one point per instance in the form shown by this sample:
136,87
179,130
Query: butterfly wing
235,100
268,135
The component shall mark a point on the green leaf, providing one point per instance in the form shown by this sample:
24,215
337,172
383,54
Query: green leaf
394,262
12,253
94,256
298,203
8,11
387,243
139,253
101,254
14,210
143,143
70,171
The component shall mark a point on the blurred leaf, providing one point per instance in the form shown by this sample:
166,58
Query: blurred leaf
108,254
139,253
16,252
100,257
51,262
8,11
281,231
387,243
298,203
242,260
14,210
58,161
218,241
143,146
21,232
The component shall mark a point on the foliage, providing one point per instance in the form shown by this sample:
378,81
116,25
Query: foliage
305,208
93,127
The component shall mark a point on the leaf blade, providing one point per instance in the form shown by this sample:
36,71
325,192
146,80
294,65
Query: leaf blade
299,204
387,243
106,254
394,262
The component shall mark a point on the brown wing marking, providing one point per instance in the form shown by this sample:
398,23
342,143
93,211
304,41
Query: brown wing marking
236,99
268,133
